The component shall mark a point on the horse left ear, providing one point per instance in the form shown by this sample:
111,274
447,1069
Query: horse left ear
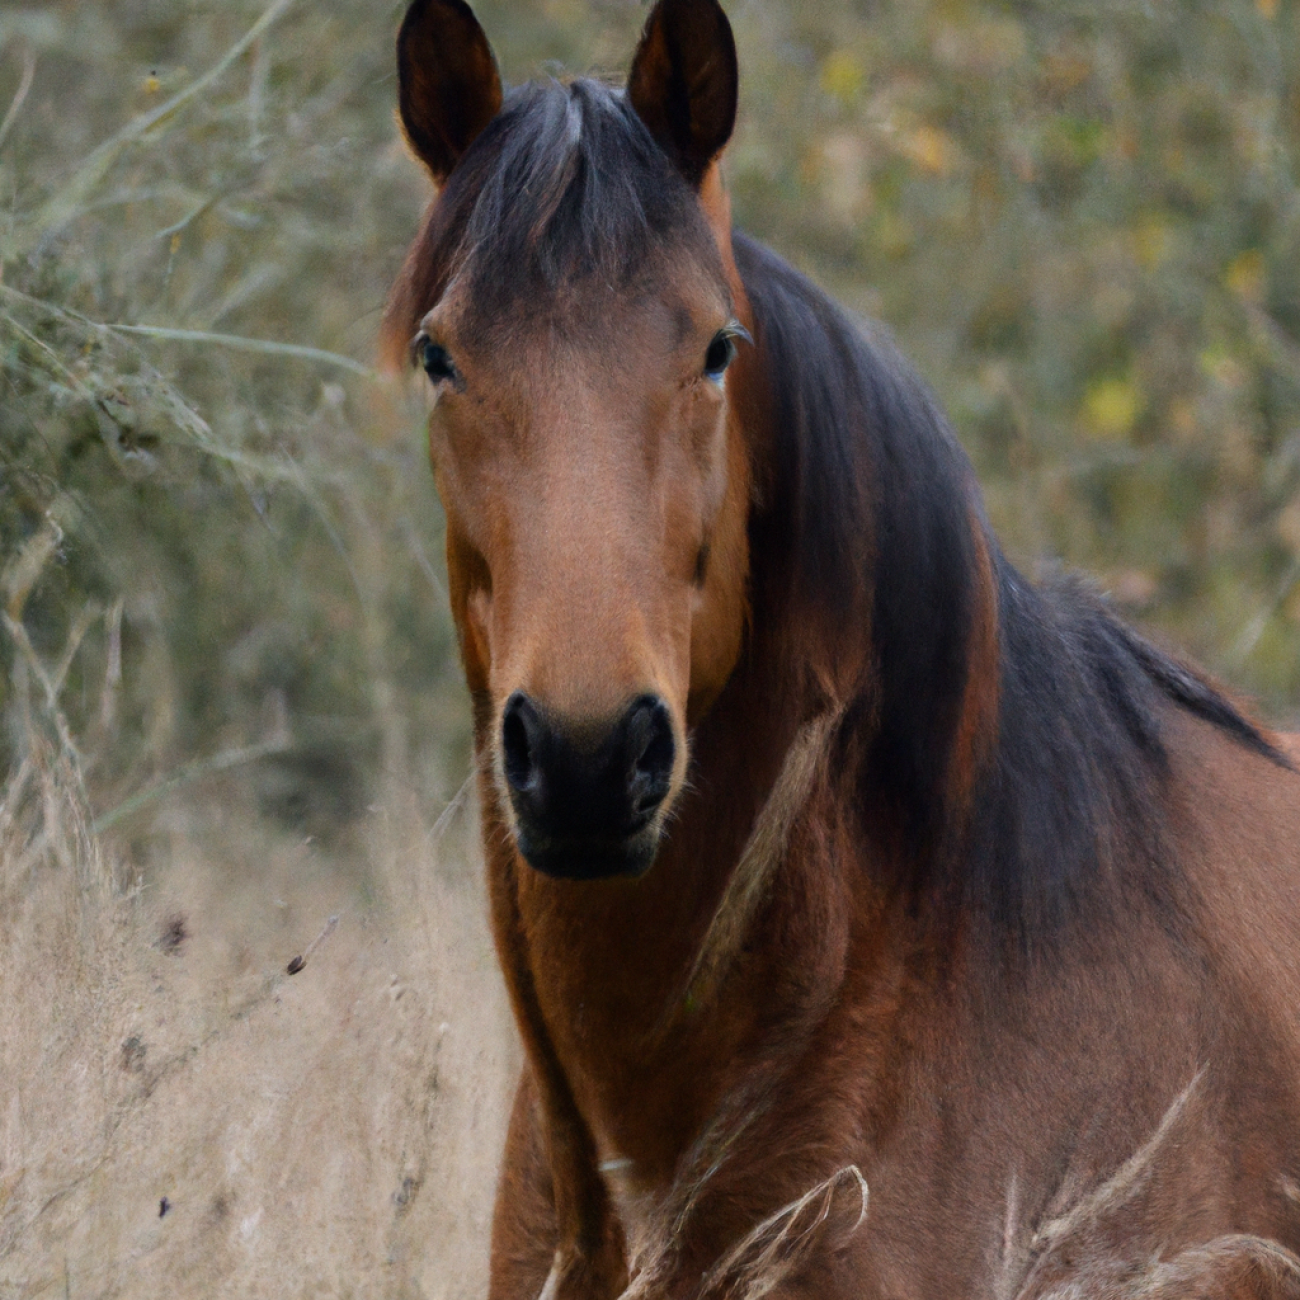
683,82
448,86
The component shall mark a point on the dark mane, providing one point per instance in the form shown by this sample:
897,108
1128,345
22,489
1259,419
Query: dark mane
565,184
873,528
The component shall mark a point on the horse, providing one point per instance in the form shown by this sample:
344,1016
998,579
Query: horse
876,923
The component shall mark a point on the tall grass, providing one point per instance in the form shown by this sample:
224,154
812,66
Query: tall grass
230,713
182,1116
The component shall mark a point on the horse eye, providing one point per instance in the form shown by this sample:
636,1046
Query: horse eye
435,359
721,353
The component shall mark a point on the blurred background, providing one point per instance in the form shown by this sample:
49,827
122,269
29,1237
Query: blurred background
229,696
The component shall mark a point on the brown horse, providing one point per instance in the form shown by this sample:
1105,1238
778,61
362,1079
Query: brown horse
876,923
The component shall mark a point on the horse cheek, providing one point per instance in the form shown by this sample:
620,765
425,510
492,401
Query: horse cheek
471,603
721,607
476,644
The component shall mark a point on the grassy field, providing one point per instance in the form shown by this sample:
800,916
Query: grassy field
231,709
182,1117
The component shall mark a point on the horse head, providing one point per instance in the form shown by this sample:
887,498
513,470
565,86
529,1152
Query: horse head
573,301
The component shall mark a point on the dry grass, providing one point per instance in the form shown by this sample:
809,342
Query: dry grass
183,1117
221,600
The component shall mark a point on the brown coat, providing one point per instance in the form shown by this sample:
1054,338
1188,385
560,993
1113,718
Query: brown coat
876,924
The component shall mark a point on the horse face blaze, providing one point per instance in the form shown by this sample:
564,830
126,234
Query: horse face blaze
596,498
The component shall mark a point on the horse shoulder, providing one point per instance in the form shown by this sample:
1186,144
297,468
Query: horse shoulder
1238,815
1236,818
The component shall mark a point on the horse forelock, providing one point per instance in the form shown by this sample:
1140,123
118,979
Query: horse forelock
564,192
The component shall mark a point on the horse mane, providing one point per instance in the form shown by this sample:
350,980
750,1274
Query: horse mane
602,201
872,531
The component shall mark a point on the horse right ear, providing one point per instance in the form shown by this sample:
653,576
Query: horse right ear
684,81
448,86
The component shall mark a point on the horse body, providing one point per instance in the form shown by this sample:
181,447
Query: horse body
985,1104
876,924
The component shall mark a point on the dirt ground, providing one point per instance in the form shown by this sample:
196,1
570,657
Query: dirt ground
186,1118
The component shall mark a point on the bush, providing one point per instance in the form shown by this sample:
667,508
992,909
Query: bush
219,531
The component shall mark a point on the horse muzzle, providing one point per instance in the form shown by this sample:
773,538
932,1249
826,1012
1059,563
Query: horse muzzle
588,798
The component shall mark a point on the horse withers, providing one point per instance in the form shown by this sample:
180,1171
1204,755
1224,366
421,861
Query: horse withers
876,924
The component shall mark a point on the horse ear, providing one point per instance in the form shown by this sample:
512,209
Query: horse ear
683,82
448,86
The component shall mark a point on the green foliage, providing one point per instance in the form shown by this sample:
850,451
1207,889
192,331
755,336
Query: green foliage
1081,222
213,489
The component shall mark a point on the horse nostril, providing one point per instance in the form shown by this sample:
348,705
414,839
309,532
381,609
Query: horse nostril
652,749
585,792
518,728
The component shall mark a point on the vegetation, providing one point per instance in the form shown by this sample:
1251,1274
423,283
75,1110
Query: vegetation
219,543
1082,223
